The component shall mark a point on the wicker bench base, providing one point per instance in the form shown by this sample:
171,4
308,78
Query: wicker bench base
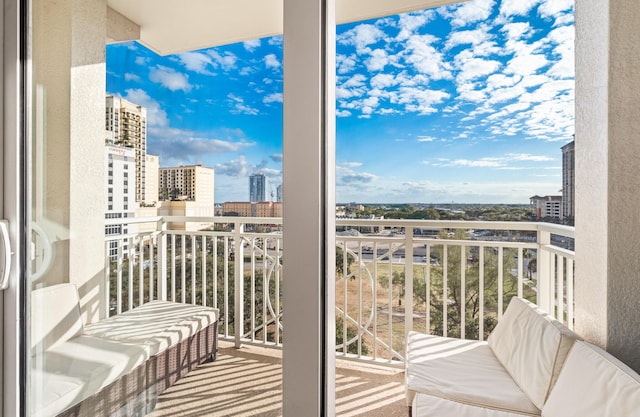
136,393
164,369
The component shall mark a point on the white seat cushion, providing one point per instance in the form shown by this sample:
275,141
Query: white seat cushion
52,393
73,371
55,314
425,405
594,384
463,371
532,347
158,325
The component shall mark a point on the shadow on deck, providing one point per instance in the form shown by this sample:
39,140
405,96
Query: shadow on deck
248,382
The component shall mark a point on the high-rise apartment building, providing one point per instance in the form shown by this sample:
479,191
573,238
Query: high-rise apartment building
187,183
151,179
279,194
568,180
120,167
257,188
126,124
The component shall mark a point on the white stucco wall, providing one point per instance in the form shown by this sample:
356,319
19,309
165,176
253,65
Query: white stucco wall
69,86
607,177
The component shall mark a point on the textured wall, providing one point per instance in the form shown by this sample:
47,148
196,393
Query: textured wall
623,284
68,145
607,177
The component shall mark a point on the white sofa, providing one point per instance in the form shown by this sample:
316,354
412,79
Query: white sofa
116,366
531,365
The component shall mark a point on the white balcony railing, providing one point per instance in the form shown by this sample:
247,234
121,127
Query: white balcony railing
445,277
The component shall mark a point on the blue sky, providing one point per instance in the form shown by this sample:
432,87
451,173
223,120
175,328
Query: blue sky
467,104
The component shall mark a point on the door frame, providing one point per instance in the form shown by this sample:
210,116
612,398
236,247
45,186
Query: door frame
13,207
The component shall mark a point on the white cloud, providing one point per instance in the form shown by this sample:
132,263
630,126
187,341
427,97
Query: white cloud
271,61
345,64
418,100
347,176
517,30
517,7
350,164
170,78
366,106
377,60
501,162
500,80
140,60
156,117
343,113
383,81
357,80
425,58
196,147
239,107
131,77
526,64
471,12
410,22
528,157
275,40
273,98
356,178
226,61
553,8
234,168
196,62
563,37
467,37
251,45
361,37
426,139
471,68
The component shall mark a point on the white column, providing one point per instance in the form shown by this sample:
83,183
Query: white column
309,208
607,263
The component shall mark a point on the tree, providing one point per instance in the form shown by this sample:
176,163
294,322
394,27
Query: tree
352,333
455,299
397,281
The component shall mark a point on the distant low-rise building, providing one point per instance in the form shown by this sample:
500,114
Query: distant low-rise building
187,209
549,206
249,209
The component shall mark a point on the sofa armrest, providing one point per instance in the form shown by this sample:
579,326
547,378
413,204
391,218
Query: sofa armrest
594,384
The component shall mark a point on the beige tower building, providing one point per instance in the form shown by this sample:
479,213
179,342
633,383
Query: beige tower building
126,123
187,191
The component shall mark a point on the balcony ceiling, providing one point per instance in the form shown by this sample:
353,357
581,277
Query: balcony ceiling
171,26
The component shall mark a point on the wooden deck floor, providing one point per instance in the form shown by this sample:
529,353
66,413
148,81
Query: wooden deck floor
248,382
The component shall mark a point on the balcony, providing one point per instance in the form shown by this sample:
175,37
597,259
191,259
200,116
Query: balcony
391,276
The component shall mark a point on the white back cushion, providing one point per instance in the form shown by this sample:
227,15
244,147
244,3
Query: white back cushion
55,316
594,384
532,347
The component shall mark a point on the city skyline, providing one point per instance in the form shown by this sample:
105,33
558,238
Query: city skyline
465,104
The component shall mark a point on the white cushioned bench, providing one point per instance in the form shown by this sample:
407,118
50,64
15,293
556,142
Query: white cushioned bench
116,366
531,365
